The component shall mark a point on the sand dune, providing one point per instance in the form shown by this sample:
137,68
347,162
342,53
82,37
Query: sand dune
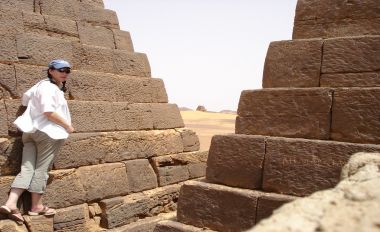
207,124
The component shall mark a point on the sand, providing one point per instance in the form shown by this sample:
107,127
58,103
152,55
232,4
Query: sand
207,124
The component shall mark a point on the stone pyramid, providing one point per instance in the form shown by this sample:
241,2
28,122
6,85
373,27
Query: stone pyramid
320,103
130,153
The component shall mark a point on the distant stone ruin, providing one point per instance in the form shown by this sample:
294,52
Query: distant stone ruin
123,168
201,108
320,103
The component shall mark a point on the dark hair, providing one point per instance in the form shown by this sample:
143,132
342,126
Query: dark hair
64,89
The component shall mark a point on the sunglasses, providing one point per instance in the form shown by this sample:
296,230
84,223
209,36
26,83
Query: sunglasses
65,70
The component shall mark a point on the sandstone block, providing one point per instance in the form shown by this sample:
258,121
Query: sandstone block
98,16
190,140
64,189
146,224
5,186
347,55
300,167
105,116
123,40
87,86
39,223
11,226
104,181
174,226
93,58
40,50
96,3
124,210
366,79
141,175
359,108
13,109
131,63
4,119
8,78
8,50
63,8
236,160
10,156
304,113
95,35
337,28
11,21
22,5
33,22
293,64
83,149
27,76
166,116
62,27
216,207
72,218
269,202
172,174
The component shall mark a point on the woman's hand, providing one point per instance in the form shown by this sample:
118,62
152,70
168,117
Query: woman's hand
70,129
54,117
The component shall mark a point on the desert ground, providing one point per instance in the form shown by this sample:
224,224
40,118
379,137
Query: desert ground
208,124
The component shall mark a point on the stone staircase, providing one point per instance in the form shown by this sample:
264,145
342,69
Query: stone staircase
123,168
320,103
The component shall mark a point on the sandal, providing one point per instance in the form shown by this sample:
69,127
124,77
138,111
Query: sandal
45,211
16,216
5,210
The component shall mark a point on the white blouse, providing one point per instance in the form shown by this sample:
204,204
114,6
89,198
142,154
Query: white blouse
44,97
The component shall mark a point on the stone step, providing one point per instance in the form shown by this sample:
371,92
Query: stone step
11,226
316,18
313,113
281,165
223,208
174,226
304,113
40,50
98,116
120,211
85,85
337,62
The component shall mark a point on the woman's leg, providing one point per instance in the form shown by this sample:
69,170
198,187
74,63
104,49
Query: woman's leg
47,148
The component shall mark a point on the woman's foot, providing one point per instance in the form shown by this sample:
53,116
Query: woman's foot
44,210
13,214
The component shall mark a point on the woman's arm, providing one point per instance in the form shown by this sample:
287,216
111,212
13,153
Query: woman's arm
54,117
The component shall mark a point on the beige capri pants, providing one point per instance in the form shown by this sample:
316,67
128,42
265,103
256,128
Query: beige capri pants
37,159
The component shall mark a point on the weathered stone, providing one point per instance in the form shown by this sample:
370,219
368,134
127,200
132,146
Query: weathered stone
40,50
174,226
5,186
303,113
11,226
27,76
269,202
64,28
87,86
64,189
104,181
90,116
71,219
337,28
300,167
13,109
95,35
8,50
39,223
8,78
190,140
144,225
347,55
10,156
96,3
98,16
4,119
351,206
216,207
141,175
123,40
360,109
11,21
93,58
83,149
22,5
366,79
166,116
131,63
172,174
33,22
236,160
62,8
293,64
124,210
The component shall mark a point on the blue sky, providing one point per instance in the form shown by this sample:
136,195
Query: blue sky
206,51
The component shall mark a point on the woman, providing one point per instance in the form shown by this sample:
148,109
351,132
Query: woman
46,123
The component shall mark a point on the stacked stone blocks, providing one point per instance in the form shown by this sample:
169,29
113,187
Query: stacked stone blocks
318,106
123,168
